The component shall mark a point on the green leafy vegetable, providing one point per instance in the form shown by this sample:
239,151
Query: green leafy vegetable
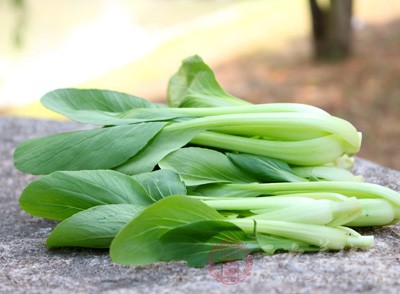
296,134
194,85
82,150
61,194
181,228
139,241
211,178
204,242
99,107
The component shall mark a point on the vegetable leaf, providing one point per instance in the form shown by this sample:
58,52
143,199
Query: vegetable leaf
203,242
138,242
198,166
83,150
165,142
61,194
94,227
148,115
100,107
194,85
161,183
264,169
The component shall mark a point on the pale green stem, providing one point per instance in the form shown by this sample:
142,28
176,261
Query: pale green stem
375,212
322,236
298,121
330,173
306,152
357,189
211,111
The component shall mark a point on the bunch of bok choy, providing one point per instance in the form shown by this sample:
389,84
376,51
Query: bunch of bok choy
170,182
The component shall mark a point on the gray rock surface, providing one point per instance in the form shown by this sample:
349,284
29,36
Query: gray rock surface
27,266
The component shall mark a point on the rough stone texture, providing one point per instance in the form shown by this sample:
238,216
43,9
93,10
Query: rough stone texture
26,265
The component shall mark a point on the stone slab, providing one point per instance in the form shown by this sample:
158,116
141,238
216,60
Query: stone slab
27,266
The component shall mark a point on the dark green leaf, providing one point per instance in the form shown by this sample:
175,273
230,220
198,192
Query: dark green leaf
203,242
161,183
101,107
82,150
95,227
64,193
264,169
138,242
194,85
198,166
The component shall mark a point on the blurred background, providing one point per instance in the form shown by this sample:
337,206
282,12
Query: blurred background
340,55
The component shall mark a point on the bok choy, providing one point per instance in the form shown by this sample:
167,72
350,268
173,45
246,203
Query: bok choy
170,182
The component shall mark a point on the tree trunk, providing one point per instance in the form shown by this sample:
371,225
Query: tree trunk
331,25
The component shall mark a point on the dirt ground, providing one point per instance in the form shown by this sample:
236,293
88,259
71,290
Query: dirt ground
364,89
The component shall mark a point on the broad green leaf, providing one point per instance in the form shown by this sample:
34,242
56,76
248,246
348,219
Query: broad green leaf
198,166
194,85
61,194
161,183
138,242
100,107
95,227
82,150
203,242
264,169
270,244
